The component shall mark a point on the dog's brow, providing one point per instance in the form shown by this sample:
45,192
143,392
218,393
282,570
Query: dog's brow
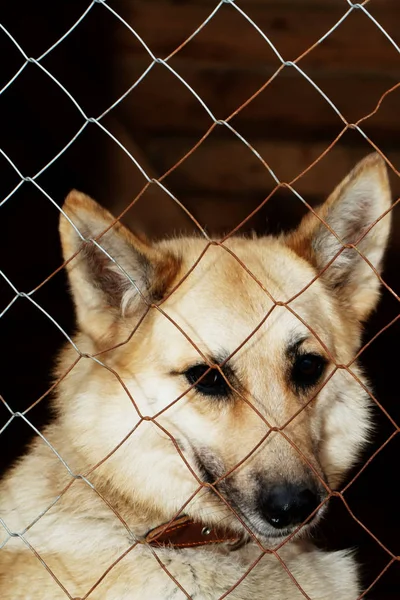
295,341
220,358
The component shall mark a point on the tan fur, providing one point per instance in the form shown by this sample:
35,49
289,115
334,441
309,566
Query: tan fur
117,461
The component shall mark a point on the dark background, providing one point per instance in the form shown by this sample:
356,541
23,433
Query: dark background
289,123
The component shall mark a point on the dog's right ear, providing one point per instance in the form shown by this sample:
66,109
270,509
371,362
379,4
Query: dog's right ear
358,211
114,273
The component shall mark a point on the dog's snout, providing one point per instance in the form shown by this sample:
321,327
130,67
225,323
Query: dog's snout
288,504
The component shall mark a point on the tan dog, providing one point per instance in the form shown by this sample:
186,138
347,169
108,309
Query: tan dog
115,462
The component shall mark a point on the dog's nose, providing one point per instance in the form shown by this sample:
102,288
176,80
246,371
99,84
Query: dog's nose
287,505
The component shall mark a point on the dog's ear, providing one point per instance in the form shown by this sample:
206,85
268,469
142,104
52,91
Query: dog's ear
114,272
355,205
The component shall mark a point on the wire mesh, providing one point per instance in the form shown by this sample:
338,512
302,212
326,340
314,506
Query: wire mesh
349,8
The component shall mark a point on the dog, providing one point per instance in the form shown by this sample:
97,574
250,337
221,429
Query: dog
204,392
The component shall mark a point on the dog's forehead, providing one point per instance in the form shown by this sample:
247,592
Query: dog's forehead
235,287
255,266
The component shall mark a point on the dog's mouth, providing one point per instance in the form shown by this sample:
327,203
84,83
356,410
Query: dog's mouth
272,511
265,531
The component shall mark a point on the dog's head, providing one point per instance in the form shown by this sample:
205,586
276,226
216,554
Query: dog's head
237,351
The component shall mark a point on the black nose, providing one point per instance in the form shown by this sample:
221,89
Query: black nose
287,505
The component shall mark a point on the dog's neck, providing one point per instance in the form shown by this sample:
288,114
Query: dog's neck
119,516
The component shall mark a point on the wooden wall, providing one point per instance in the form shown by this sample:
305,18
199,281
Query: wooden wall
289,123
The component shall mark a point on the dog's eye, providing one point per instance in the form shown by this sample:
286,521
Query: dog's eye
307,370
209,384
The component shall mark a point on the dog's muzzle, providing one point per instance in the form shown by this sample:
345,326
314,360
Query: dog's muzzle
287,505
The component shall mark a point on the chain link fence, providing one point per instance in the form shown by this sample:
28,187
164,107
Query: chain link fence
30,295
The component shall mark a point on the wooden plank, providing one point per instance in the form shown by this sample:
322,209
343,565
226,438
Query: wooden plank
289,106
356,44
223,166
155,214
283,211
219,215
370,4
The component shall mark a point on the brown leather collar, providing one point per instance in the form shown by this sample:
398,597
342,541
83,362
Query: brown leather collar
185,533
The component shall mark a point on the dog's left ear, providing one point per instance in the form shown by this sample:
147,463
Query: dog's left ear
362,198
113,273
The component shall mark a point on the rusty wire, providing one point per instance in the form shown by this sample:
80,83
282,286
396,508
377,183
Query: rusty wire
269,428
